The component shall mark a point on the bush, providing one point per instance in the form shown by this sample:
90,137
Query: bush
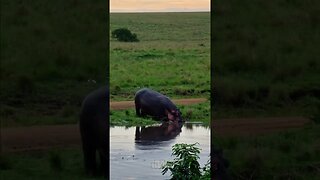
124,35
206,171
185,165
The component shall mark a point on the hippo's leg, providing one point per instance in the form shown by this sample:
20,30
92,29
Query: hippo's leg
143,128
89,152
138,109
103,162
138,136
143,113
138,113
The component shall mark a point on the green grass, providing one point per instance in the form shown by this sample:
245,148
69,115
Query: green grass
193,113
53,164
284,155
49,51
265,64
265,56
44,83
173,55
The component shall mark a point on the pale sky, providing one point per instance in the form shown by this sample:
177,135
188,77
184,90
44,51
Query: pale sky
159,5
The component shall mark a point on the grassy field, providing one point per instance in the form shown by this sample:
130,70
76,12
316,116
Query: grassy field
49,51
265,63
173,55
44,83
293,154
50,78
265,58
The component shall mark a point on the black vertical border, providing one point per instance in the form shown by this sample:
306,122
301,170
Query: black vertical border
108,80
211,88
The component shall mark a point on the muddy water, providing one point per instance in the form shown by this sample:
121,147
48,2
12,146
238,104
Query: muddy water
137,153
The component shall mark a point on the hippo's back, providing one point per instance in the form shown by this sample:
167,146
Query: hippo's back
152,98
96,103
153,103
147,92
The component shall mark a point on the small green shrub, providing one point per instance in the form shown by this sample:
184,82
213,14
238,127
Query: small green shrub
206,171
185,165
124,35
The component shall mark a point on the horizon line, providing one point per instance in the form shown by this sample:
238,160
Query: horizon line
159,11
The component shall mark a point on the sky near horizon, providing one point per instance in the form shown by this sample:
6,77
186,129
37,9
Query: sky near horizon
159,5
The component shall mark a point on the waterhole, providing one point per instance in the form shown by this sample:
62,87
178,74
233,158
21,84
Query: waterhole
139,152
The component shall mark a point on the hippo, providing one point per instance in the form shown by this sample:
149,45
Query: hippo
94,131
156,105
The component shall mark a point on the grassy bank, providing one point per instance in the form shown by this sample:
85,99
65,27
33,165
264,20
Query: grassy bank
192,113
265,57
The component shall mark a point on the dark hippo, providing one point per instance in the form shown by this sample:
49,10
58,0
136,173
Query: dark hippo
94,130
156,105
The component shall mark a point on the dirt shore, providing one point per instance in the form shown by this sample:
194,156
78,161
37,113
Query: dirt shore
256,126
17,139
121,105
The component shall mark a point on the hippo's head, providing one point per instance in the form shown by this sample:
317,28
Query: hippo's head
174,115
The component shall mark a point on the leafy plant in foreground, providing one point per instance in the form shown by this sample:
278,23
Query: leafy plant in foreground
206,171
185,165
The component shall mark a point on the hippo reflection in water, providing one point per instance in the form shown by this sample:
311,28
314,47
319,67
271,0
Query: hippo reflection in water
154,135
